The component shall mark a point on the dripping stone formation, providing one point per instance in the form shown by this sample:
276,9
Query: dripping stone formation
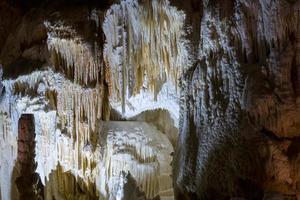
150,99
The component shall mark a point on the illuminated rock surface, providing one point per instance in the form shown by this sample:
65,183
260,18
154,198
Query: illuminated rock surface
142,150
146,53
115,87
64,139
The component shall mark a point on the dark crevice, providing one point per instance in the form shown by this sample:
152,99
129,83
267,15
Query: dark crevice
294,149
131,189
250,190
27,66
270,134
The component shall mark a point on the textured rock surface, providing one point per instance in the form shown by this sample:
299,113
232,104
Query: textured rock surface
83,149
28,181
146,53
241,93
12,16
162,120
1,74
140,149
64,185
222,73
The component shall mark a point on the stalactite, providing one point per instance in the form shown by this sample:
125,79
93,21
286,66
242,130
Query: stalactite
77,107
68,108
77,59
9,116
145,47
63,135
8,155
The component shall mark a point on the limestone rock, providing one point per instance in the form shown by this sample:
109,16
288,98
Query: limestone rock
140,149
219,80
241,91
1,85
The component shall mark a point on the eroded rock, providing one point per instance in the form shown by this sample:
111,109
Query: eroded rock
242,81
1,84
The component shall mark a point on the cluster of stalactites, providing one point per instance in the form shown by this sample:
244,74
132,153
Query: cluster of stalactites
55,148
63,132
8,154
79,111
144,47
77,59
8,142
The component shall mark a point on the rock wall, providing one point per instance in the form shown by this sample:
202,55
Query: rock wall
239,96
1,74
12,16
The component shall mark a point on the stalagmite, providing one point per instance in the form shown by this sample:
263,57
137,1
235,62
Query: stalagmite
142,66
27,180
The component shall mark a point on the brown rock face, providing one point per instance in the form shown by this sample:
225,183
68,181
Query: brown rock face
11,16
26,137
1,84
240,94
28,181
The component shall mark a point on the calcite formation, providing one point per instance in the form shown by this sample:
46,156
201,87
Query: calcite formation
240,95
146,53
71,55
138,148
114,87
64,136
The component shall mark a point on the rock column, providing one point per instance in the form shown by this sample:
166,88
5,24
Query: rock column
28,181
